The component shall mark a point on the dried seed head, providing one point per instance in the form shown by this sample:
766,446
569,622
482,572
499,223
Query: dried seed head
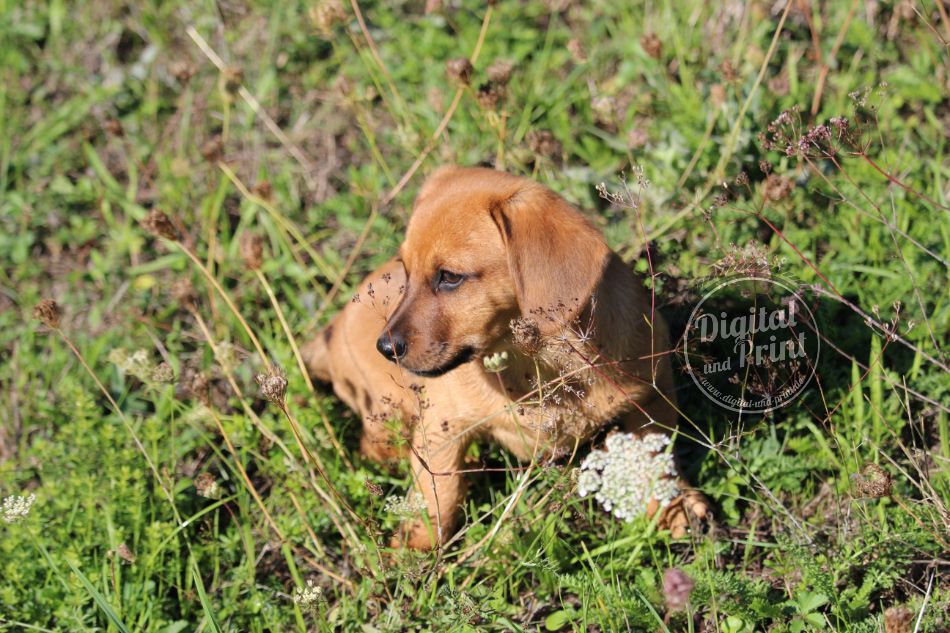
433,7
898,620
326,15
213,149
273,385
500,71
263,190
48,312
576,49
543,143
125,553
777,187
252,250
158,224
717,95
459,70
183,71
231,79
163,372
652,45
489,94
207,486
676,588
374,489
874,482
526,335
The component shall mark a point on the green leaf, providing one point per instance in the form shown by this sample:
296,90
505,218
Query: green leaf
557,620
99,599
205,603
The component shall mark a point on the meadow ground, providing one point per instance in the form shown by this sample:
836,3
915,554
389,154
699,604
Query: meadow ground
169,495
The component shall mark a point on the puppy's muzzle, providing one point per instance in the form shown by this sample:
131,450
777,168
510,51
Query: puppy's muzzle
391,345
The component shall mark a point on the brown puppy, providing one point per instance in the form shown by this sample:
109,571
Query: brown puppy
495,263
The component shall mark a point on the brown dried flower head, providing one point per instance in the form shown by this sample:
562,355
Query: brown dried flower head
898,619
526,335
263,190
207,486
677,587
459,70
374,488
500,71
158,224
273,385
252,250
652,45
874,482
183,71
213,149
778,187
489,95
231,79
48,312
125,553
543,143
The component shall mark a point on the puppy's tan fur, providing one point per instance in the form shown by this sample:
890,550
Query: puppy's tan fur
583,330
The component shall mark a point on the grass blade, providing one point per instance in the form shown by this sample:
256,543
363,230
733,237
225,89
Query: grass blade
99,598
205,603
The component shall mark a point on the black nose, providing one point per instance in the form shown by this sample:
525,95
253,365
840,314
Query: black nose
391,345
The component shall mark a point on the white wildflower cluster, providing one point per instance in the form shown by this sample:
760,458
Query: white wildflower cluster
16,508
135,364
309,595
495,363
405,507
629,473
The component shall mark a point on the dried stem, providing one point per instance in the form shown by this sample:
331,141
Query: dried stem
303,368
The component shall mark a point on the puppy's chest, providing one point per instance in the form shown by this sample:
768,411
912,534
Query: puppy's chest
560,404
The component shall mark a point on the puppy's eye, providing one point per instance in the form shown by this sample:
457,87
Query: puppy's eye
447,280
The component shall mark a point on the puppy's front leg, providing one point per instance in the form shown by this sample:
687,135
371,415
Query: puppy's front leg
436,459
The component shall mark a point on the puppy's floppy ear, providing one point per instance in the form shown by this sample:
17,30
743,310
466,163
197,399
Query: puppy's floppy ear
556,257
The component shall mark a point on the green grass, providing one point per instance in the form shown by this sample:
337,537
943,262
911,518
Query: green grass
99,124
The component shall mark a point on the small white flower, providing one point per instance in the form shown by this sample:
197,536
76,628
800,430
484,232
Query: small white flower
16,508
629,473
495,363
309,595
405,507
135,364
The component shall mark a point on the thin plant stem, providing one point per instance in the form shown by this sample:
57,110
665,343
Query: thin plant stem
125,422
300,364
227,299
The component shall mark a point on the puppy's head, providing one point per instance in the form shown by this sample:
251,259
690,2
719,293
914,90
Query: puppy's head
484,247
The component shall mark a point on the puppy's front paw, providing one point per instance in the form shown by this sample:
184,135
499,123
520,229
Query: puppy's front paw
689,509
